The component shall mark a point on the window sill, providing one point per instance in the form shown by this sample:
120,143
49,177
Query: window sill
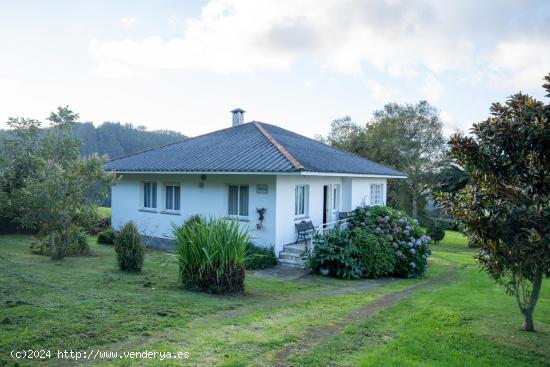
170,212
301,217
239,219
148,210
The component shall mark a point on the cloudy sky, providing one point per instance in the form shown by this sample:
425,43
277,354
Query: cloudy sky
183,65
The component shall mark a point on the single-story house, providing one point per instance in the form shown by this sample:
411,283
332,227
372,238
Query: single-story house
235,171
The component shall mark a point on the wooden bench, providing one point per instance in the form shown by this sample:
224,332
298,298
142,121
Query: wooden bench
305,230
344,215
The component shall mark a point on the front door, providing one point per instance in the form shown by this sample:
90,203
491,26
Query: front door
325,204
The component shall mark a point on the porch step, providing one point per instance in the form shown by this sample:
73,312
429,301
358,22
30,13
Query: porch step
291,256
295,249
292,263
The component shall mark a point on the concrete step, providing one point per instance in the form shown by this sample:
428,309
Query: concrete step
295,249
290,256
291,263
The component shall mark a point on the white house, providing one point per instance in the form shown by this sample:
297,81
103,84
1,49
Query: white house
233,172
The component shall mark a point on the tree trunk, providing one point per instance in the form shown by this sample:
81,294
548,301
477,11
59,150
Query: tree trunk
528,321
53,249
529,308
414,206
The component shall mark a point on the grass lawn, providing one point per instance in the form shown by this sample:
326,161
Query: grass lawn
455,316
104,212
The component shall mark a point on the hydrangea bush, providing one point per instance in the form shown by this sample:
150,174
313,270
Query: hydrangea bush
410,243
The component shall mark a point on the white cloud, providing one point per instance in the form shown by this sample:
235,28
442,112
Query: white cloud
431,89
520,64
398,37
128,22
243,35
113,69
450,126
381,93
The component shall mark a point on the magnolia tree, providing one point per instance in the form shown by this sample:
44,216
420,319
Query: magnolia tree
46,185
505,204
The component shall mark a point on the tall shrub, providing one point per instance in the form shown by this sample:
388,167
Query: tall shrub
436,230
334,250
129,248
211,255
408,240
375,253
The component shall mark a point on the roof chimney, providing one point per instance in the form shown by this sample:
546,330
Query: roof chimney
238,116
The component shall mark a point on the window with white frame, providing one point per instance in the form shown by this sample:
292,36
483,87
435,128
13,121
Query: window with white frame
238,200
172,196
335,198
376,192
150,195
301,200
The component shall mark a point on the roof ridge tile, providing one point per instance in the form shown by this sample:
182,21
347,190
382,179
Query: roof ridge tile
297,165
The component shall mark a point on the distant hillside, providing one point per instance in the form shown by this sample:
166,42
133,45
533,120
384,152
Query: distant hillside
116,139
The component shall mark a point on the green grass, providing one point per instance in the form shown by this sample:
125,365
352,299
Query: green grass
468,322
104,213
85,303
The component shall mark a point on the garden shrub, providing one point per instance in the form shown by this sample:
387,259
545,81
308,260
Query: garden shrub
8,225
453,225
259,257
97,220
129,248
436,230
211,255
376,254
335,251
378,241
407,238
75,242
196,218
107,236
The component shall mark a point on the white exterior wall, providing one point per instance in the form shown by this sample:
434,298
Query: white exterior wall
354,191
360,190
286,231
210,200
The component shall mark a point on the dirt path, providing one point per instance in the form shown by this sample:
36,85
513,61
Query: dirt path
315,336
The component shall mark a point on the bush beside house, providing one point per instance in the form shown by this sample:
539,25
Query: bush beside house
378,241
259,257
129,248
336,251
107,236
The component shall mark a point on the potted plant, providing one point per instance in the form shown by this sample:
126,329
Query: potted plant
261,212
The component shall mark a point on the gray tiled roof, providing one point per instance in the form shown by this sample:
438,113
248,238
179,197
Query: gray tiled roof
250,147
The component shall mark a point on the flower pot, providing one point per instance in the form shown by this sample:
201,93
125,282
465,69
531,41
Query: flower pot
258,226
324,271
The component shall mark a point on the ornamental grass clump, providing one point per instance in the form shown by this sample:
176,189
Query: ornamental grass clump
211,255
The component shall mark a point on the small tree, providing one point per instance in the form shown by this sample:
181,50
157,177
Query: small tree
48,186
505,204
436,230
129,248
